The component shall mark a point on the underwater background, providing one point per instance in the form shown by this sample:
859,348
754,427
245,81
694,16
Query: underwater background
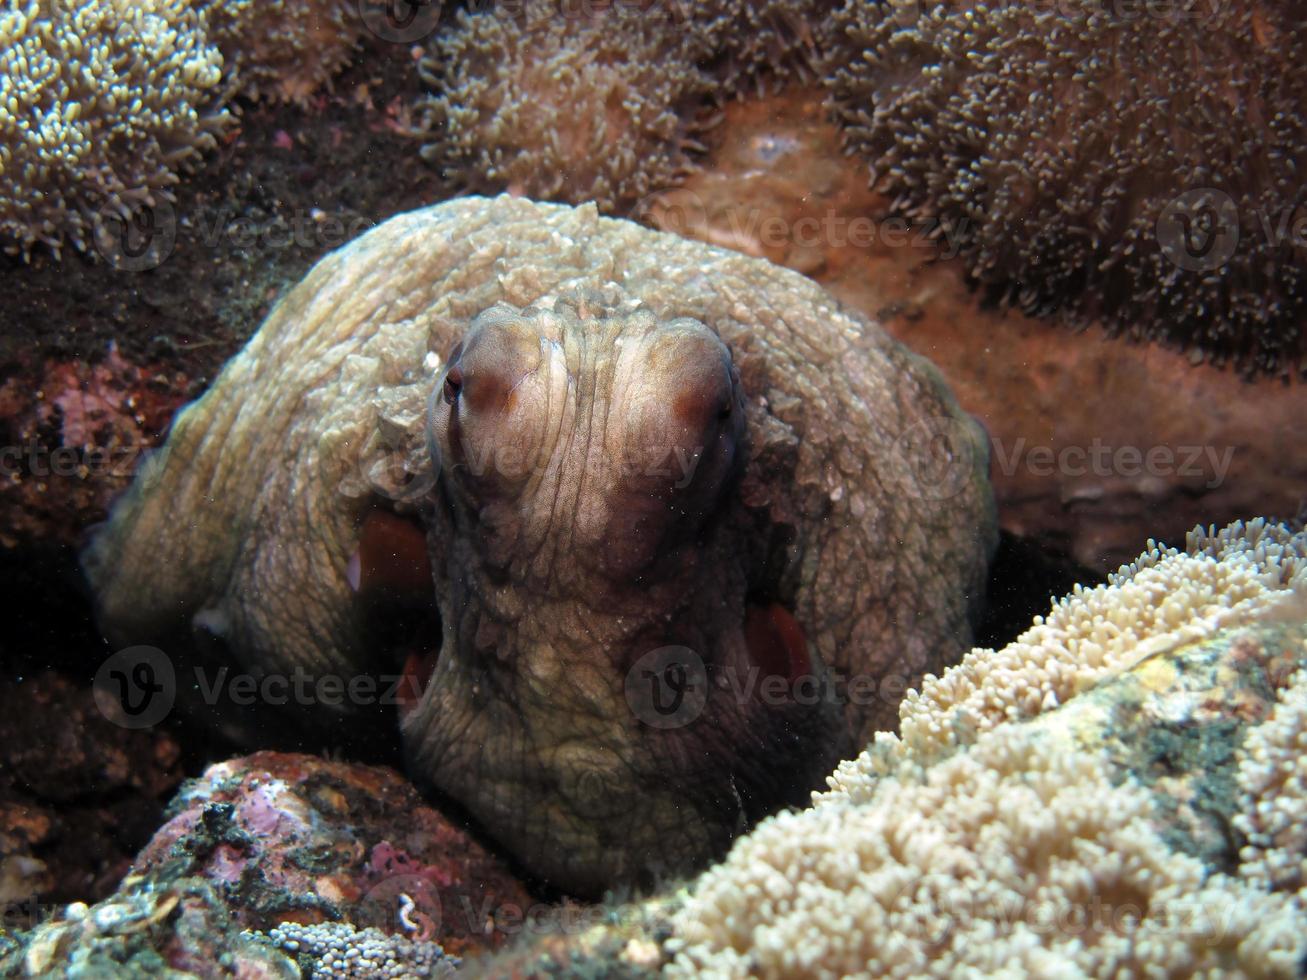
1089,216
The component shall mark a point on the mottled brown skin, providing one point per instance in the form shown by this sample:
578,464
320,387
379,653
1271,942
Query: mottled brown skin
617,442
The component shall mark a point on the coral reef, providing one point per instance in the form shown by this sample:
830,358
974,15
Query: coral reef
1158,189
1164,597
777,566
74,433
179,930
282,49
1063,805
614,939
104,99
288,865
594,103
116,354
762,45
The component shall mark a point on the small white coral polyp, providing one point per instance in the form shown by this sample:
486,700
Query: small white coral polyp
102,100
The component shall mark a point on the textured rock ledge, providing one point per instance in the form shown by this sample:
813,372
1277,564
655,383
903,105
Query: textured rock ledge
305,844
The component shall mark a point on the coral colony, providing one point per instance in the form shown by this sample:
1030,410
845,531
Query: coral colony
651,568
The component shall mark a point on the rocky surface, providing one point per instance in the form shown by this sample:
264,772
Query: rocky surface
79,795
298,838
273,840
74,433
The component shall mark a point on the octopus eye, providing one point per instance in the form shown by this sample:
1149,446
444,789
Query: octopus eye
453,385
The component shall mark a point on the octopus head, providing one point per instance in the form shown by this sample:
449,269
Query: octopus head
612,697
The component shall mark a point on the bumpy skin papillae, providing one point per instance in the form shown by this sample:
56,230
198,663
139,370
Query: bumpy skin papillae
862,508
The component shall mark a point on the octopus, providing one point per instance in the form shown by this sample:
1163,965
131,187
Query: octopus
640,535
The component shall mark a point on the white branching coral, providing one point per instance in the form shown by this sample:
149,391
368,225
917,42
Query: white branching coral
978,844
1019,857
1273,778
100,102
600,102
1163,599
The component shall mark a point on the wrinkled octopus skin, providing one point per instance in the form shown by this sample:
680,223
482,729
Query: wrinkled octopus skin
678,529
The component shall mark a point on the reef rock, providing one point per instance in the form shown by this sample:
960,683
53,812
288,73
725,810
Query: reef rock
74,433
297,838
274,858
79,795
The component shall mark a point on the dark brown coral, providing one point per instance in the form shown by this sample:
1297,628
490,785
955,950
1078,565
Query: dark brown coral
1137,163
578,104
599,101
